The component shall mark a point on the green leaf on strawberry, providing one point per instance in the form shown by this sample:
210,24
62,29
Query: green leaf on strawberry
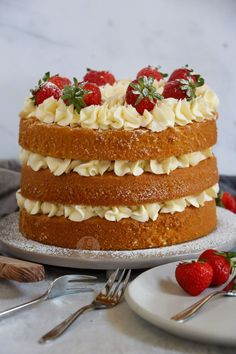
41,82
74,94
81,94
144,89
142,94
190,85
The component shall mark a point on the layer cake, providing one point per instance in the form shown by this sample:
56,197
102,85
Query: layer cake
118,164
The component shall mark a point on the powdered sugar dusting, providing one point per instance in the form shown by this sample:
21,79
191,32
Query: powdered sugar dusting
13,242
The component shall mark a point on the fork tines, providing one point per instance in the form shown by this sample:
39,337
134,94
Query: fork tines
117,283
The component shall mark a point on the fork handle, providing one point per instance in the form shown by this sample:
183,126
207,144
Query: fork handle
17,308
62,327
193,309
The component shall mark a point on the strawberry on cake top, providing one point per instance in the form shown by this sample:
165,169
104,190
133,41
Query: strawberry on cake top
142,103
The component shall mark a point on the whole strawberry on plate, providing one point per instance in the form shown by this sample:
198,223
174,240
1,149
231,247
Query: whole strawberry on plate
194,277
81,95
142,94
222,264
99,78
151,71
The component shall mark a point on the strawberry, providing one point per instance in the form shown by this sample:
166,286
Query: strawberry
94,96
228,201
45,91
142,94
182,88
208,253
194,277
59,81
174,89
181,73
184,73
151,71
99,77
81,95
221,262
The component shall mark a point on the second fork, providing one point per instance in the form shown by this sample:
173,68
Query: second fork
108,297
64,285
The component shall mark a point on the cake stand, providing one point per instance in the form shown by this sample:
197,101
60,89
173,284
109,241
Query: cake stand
13,243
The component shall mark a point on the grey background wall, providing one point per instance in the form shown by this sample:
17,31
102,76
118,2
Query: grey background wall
123,36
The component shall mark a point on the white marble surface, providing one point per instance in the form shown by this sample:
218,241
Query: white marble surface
123,36
118,330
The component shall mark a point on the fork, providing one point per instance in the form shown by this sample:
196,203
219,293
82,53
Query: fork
64,285
229,290
108,297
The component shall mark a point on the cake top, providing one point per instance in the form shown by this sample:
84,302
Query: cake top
100,101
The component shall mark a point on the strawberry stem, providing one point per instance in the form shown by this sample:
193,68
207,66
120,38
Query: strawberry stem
74,94
158,67
219,200
189,85
227,255
230,254
144,88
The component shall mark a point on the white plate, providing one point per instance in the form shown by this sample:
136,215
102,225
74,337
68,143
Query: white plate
155,296
12,242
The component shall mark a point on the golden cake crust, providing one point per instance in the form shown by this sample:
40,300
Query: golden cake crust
140,144
127,234
110,190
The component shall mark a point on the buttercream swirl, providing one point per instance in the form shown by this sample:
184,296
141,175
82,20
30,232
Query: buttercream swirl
120,167
116,93
115,114
141,213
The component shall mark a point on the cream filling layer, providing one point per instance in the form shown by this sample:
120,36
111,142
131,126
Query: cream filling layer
141,213
115,114
120,167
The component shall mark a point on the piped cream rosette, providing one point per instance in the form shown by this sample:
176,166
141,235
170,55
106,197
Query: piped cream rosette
115,114
120,168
